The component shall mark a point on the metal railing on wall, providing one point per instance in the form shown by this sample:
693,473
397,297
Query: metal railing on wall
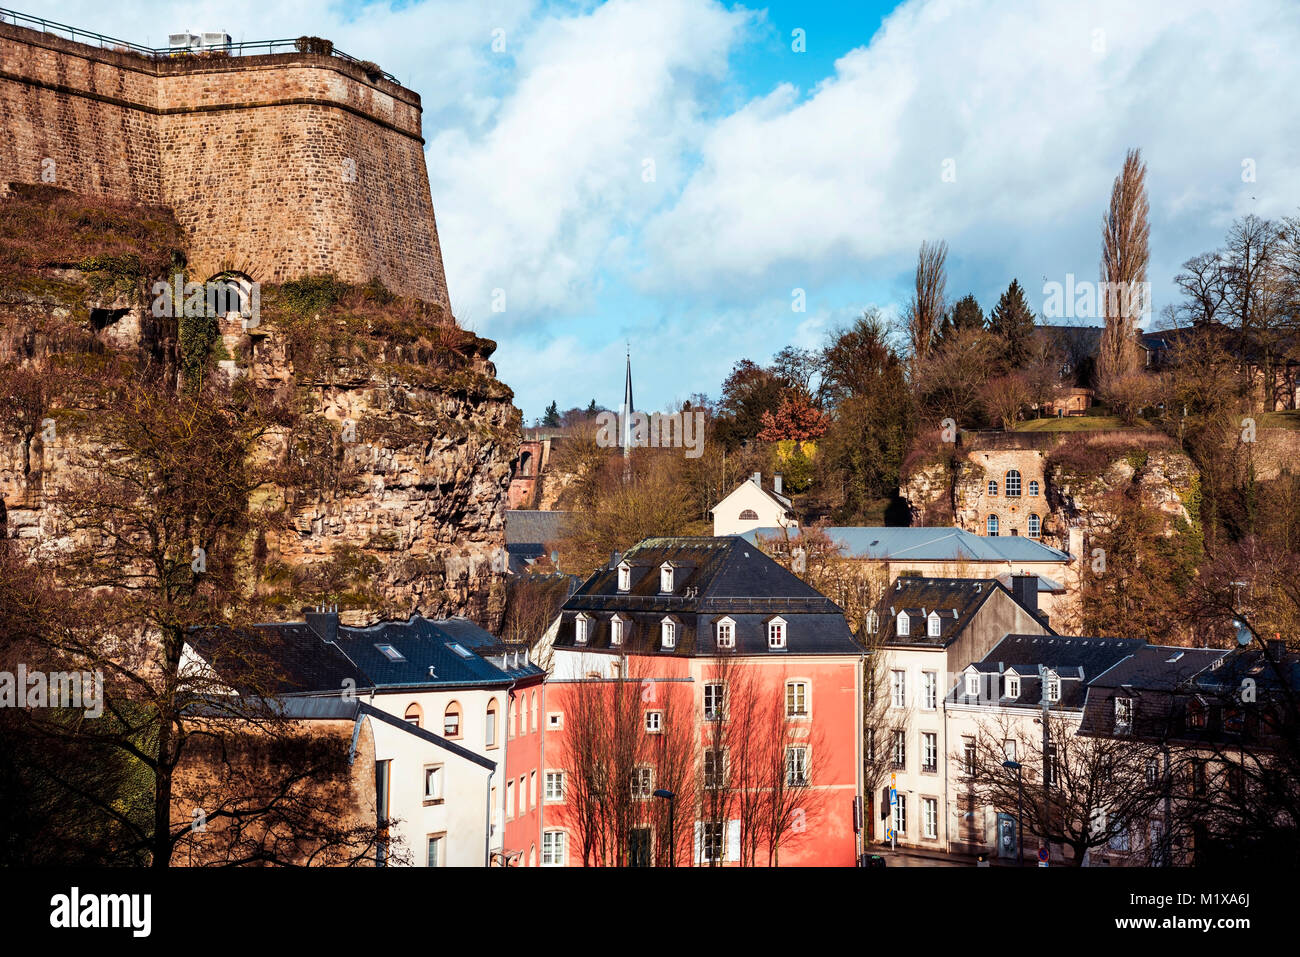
249,48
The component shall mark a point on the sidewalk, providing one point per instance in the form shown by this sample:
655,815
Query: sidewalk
920,857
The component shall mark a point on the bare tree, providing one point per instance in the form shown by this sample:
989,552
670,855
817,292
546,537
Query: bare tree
1123,271
926,310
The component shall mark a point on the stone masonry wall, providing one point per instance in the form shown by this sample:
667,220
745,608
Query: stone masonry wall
277,166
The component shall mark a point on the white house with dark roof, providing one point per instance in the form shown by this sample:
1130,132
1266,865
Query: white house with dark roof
751,505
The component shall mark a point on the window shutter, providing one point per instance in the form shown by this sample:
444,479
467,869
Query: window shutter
699,844
733,841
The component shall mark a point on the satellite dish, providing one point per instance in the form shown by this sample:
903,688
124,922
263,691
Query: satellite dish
1243,633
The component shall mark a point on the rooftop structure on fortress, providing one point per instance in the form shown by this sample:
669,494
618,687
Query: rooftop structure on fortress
280,158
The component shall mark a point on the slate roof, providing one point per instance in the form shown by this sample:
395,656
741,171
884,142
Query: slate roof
766,486
311,665
714,578
957,600
1076,660
534,527
926,544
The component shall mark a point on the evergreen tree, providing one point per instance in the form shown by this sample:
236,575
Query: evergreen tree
592,410
552,418
965,314
1012,323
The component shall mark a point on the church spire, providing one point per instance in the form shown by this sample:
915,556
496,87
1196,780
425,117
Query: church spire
625,413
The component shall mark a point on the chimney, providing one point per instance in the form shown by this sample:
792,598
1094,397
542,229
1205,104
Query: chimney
1276,649
758,479
776,483
324,621
614,558
1076,541
1024,588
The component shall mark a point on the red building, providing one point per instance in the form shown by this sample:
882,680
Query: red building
702,669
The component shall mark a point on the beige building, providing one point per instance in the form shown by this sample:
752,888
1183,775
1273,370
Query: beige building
750,506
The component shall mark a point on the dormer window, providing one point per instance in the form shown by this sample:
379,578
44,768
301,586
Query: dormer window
666,578
932,625
1053,686
1013,686
993,486
776,633
904,625
972,685
616,630
726,633
624,577
581,629
668,633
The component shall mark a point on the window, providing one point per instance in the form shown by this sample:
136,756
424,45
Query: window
534,710
1013,484
991,526
930,690
532,789
796,767
510,800
624,577
555,720
642,783
749,515
490,725
1197,713
972,686
933,625
391,653
668,633
654,722
433,857
1120,841
1123,715
929,751
715,701
666,578
900,813
715,769
726,633
1013,686
930,817
904,624
1053,686
1198,777
713,841
554,787
776,633
1234,720
616,630
898,688
873,622
1035,526
414,714
511,728
433,782
581,629
968,756
993,487
900,749
451,721
1153,770
796,699
1009,749
1033,488
1050,768
553,849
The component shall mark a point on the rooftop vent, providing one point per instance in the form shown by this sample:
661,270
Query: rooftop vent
1174,657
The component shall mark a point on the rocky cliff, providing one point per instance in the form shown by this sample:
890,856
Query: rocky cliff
404,431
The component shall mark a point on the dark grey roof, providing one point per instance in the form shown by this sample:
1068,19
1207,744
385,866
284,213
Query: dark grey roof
308,664
714,577
1076,660
1158,667
957,601
533,527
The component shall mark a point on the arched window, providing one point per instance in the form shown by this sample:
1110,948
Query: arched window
749,515
726,633
414,714
1033,487
666,578
232,293
668,633
581,629
532,856
993,486
933,625
451,720
490,725
534,710
992,525
1013,483
873,622
616,630
510,728
1035,526
526,464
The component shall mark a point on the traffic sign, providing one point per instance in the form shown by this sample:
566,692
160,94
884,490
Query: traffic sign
893,796
1042,856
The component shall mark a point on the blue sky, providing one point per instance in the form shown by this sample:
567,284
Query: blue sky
776,170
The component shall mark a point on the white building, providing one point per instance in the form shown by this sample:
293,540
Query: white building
751,506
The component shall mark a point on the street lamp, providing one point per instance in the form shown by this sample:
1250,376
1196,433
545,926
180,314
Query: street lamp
671,798
1020,819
